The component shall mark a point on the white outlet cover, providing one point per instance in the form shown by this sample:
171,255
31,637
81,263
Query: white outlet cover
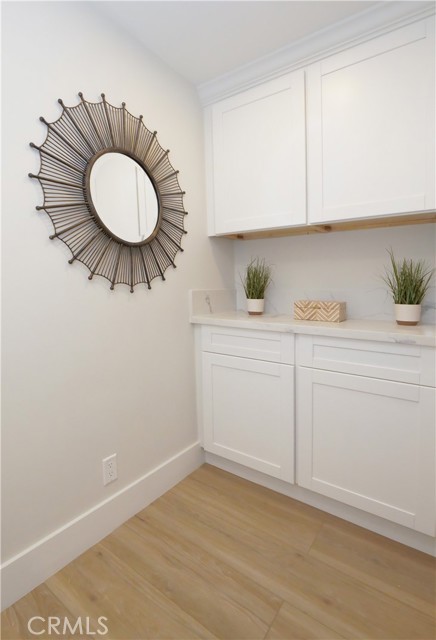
110,472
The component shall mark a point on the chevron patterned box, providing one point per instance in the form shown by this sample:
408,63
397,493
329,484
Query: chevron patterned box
319,310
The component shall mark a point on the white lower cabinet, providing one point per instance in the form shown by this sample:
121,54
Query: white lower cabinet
248,413
364,429
365,441
247,398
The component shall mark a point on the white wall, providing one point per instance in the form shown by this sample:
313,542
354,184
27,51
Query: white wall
339,266
88,372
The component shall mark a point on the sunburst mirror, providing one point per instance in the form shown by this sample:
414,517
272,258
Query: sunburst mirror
111,193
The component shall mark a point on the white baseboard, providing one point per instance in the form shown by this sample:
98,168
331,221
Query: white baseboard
391,530
26,570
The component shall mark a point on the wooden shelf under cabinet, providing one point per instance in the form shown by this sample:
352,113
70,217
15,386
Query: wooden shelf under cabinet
351,225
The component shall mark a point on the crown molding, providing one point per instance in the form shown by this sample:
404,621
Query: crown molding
372,22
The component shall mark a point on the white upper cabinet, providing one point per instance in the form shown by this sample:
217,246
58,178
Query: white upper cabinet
370,128
257,151
355,131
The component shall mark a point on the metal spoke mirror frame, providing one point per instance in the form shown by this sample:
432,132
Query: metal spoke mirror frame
73,143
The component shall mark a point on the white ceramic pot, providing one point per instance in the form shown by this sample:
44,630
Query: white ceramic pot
408,314
255,307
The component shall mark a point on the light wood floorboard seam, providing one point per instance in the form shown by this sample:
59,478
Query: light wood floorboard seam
273,620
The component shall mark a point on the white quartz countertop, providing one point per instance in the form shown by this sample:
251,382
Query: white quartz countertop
383,331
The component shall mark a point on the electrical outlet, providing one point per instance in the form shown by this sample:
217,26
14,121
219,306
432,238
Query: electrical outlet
110,469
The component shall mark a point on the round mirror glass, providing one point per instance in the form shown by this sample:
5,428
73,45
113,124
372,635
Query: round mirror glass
124,197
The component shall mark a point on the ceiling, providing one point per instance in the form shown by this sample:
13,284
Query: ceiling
204,39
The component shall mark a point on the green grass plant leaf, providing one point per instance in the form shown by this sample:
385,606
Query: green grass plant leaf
408,280
256,278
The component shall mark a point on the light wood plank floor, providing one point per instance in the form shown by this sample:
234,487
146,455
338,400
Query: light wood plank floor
220,557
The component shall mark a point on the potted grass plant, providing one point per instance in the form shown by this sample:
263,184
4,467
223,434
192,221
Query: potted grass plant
408,281
256,278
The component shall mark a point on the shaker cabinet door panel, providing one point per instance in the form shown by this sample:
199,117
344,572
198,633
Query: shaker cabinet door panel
259,157
371,128
248,413
368,443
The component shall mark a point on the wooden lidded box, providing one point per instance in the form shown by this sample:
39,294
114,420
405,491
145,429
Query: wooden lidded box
319,310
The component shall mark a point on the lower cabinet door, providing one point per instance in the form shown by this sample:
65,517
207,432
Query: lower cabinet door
368,443
248,413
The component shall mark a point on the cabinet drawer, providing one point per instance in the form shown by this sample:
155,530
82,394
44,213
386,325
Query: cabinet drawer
388,361
258,345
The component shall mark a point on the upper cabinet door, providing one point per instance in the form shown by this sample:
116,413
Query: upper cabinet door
258,175
370,123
